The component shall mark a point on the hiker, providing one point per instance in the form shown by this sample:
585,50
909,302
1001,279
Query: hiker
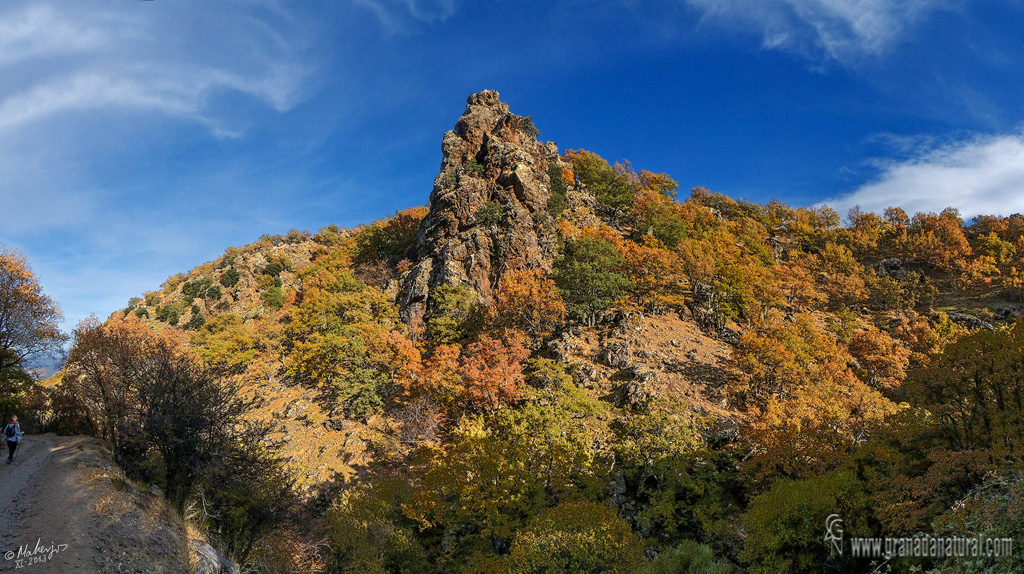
12,432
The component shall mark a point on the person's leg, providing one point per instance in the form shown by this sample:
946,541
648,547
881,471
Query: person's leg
11,445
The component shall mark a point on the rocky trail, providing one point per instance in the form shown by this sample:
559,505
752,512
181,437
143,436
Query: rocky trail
64,509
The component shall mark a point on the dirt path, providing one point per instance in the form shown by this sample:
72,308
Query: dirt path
65,509
45,508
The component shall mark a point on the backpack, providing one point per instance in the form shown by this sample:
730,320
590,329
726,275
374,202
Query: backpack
10,431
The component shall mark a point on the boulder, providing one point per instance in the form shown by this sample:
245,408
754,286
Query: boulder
211,561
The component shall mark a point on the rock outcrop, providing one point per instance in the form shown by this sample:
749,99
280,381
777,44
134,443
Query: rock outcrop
488,208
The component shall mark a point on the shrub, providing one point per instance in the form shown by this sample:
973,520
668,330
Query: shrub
274,269
527,127
230,278
197,288
169,313
689,557
451,314
196,322
587,276
474,166
556,204
490,215
273,297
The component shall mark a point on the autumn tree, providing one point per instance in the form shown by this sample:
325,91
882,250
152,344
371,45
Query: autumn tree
389,239
656,275
975,391
345,341
29,319
731,271
666,472
809,409
576,538
784,524
526,306
369,532
881,361
491,373
152,395
1013,283
841,276
501,468
230,346
865,231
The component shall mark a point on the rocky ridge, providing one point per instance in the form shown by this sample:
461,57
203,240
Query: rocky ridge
488,208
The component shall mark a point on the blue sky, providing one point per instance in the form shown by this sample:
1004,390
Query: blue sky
139,139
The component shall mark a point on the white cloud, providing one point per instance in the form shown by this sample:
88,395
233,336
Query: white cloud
843,30
984,175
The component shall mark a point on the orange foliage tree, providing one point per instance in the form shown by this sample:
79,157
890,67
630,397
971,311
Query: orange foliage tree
881,361
526,307
809,410
492,373
485,376
28,317
656,274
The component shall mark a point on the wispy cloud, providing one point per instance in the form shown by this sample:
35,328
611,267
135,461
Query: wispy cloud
41,31
983,175
846,31
400,16
102,108
94,55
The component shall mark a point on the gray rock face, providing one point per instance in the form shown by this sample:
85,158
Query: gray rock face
969,321
617,353
211,561
491,159
617,350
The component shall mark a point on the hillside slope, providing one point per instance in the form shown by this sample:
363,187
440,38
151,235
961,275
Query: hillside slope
554,336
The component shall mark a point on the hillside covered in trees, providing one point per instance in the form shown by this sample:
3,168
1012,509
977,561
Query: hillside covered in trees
562,365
